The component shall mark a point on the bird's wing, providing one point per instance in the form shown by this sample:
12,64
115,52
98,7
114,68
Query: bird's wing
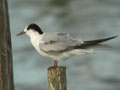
58,42
91,43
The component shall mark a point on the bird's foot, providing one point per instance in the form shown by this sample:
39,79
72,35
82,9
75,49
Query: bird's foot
55,63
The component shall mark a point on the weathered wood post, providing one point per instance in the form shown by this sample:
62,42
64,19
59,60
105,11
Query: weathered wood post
6,70
57,78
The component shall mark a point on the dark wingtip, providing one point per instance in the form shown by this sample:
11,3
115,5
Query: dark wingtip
101,40
113,37
106,39
94,42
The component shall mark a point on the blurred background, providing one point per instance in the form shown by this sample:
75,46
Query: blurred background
87,19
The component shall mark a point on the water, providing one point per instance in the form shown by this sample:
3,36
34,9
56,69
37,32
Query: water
88,19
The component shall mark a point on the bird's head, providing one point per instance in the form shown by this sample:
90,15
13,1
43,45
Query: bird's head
30,30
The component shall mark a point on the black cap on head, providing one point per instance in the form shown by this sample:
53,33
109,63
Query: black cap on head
35,27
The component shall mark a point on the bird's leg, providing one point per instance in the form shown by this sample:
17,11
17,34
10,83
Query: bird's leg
55,63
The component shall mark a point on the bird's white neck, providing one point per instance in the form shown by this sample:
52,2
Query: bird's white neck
34,35
35,38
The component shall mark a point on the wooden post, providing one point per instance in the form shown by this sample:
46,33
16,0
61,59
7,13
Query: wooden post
6,70
57,78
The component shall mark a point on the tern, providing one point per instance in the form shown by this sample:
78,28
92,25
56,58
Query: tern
59,46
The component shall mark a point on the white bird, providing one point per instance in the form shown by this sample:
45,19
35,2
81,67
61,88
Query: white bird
59,46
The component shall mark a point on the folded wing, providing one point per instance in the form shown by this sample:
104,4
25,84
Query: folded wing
58,42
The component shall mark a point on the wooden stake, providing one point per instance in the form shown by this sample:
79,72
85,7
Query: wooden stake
6,71
57,78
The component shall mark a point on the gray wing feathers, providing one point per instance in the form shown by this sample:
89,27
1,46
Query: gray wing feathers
58,42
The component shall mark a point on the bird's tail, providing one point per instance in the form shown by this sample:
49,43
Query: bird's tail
90,43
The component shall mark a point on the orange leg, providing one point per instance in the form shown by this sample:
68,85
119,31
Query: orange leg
55,63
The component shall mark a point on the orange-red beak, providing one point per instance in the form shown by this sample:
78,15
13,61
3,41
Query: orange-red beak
21,33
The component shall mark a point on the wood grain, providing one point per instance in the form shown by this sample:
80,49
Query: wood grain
6,70
57,78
